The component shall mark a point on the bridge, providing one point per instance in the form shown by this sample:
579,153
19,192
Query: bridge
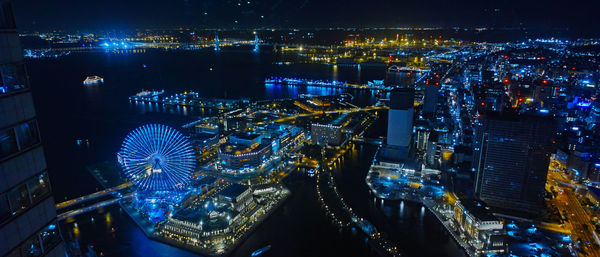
117,193
92,196
95,206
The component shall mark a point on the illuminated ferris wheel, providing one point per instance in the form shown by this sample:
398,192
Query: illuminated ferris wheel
157,157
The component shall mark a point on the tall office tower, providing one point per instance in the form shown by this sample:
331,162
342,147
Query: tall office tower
400,117
511,156
431,99
28,225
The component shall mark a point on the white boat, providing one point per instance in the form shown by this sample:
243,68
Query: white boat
91,80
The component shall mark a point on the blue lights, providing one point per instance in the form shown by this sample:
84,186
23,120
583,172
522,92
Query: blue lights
116,45
544,111
532,229
157,158
583,104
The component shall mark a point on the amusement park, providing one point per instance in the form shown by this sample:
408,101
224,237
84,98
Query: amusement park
205,207
173,201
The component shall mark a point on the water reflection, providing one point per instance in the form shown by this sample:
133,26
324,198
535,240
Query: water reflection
401,209
334,72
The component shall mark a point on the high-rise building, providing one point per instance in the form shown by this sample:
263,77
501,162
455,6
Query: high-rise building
28,225
431,99
400,126
400,117
511,154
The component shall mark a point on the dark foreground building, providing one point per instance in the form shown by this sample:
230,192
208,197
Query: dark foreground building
511,155
28,225
400,126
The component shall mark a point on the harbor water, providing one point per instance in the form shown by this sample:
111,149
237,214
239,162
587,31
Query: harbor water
102,114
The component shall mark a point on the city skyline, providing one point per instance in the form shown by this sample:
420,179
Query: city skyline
118,15
299,128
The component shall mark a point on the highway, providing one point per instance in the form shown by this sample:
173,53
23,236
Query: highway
577,219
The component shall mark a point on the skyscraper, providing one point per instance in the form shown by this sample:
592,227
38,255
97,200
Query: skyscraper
28,224
400,117
400,126
511,156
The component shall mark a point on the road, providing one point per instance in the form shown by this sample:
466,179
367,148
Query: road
92,196
578,221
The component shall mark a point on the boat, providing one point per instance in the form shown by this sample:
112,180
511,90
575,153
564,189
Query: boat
261,251
91,80
82,142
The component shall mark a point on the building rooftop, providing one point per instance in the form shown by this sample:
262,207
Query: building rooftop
478,209
237,149
340,121
202,136
208,180
246,136
233,191
189,215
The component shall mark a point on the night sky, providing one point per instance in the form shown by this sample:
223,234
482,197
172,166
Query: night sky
129,14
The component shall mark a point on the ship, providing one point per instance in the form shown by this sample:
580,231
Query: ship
261,251
92,80
147,95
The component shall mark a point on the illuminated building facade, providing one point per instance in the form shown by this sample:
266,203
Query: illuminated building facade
511,154
486,232
244,151
28,225
237,195
326,134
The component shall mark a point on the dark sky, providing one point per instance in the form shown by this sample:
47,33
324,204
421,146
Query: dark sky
127,14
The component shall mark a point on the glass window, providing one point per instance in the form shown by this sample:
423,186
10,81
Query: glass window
19,198
50,236
12,77
8,142
39,187
15,253
28,134
5,212
31,247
